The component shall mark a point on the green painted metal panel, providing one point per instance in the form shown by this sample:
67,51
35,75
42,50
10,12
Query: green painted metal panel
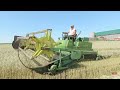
111,32
84,45
65,44
85,39
76,54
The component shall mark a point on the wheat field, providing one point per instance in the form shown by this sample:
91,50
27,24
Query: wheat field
11,67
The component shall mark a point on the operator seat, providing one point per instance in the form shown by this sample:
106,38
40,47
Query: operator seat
66,36
73,37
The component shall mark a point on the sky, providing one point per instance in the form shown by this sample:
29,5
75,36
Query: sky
22,22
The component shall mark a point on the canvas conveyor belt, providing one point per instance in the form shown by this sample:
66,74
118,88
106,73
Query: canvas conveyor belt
40,61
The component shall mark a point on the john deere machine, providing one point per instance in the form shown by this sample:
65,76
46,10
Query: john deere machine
50,56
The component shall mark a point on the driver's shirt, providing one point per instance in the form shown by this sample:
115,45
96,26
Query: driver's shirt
72,31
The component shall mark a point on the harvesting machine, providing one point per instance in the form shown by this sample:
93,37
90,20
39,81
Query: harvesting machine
50,56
